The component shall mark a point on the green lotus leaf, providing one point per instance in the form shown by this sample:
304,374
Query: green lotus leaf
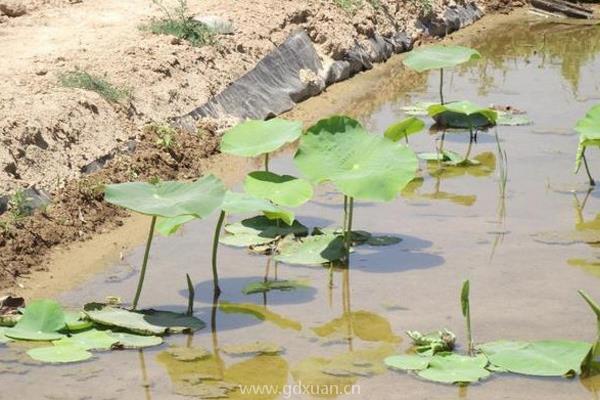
188,354
170,198
244,240
60,354
512,119
438,56
589,132
253,138
407,362
89,340
404,128
130,341
360,165
543,358
75,321
312,250
264,287
41,321
124,319
4,338
233,203
462,114
174,322
256,348
284,190
454,368
267,228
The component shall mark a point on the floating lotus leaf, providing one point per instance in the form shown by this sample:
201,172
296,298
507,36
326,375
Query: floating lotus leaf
258,231
169,199
366,326
174,322
589,132
383,240
3,338
419,108
407,362
284,190
454,368
438,56
255,348
188,354
362,166
253,138
543,358
357,237
89,340
444,155
41,321
513,119
404,128
60,354
260,312
130,341
462,114
312,250
124,319
75,321
264,287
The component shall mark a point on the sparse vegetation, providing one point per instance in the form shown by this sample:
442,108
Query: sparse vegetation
165,135
179,22
84,80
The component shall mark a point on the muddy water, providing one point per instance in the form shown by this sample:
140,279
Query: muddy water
522,252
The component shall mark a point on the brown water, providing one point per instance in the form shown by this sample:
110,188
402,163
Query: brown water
455,226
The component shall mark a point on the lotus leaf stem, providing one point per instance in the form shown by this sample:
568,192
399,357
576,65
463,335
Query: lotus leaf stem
348,231
215,250
442,86
470,144
138,291
267,162
191,295
587,169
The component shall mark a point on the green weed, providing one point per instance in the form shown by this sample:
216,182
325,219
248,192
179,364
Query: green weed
86,81
179,22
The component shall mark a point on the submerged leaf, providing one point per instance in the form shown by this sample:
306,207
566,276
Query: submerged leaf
246,349
362,166
169,199
253,138
312,250
130,341
543,358
174,322
41,321
284,190
260,312
188,354
59,354
267,286
438,56
383,240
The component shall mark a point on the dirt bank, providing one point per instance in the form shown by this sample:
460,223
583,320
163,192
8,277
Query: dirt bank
52,134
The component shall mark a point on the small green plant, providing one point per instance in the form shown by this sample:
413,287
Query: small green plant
165,135
179,22
18,206
84,80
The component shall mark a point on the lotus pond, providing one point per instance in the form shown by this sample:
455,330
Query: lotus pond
500,208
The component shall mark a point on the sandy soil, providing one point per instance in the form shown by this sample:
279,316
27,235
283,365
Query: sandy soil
49,132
